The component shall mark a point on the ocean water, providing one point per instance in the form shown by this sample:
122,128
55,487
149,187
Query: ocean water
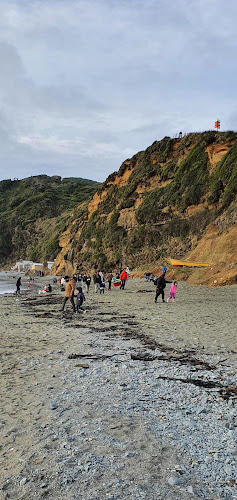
8,283
7,287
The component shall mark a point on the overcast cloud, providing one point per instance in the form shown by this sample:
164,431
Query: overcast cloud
85,84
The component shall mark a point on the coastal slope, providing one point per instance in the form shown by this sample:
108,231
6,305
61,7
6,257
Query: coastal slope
175,199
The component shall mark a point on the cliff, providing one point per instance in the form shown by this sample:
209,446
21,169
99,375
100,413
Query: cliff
34,212
175,199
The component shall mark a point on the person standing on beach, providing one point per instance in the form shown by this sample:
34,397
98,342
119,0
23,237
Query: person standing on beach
123,278
97,282
102,287
62,283
88,282
172,292
80,298
69,293
160,286
18,285
84,286
109,279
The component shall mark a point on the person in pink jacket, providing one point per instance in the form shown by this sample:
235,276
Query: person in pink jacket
172,292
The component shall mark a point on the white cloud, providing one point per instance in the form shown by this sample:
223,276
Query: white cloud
86,84
72,147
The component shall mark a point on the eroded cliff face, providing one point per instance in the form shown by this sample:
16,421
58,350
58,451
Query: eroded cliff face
176,199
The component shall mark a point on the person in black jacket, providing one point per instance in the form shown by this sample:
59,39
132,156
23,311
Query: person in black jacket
18,285
97,282
160,286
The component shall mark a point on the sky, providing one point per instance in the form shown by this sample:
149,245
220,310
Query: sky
86,84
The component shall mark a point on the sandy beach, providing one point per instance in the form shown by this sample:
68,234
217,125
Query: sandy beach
128,400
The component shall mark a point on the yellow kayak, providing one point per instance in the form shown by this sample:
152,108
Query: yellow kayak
180,263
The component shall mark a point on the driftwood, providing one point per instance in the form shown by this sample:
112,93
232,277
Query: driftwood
225,391
172,355
184,359
143,357
229,392
45,315
90,356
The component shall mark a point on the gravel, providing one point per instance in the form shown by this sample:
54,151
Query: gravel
120,428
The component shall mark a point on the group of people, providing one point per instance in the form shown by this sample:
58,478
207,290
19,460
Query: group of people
76,286
70,289
160,284
46,289
118,279
149,276
73,286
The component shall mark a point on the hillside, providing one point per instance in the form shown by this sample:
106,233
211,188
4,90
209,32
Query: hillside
35,211
175,199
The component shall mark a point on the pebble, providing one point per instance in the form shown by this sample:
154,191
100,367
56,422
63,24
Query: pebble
53,405
23,481
132,425
228,469
175,481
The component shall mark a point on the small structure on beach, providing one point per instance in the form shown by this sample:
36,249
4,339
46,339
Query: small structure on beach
23,265
50,264
28,265
37,266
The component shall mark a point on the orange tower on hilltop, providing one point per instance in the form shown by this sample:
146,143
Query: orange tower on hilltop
217,124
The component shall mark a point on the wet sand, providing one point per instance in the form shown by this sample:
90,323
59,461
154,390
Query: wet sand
38,374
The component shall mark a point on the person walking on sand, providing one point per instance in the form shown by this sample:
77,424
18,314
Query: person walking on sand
97,282
18,285
88,282
160,287
80,298
109,279
172,292
123,278
69,293
84,285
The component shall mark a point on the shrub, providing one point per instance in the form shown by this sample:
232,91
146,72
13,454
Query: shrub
52,248
224,180
110,201
99,259
35,254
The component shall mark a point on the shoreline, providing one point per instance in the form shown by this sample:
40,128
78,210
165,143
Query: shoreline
102,424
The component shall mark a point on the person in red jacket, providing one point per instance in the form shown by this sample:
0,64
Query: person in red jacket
123,278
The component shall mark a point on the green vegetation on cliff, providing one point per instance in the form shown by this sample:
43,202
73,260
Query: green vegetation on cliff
160,202
164,217
33,213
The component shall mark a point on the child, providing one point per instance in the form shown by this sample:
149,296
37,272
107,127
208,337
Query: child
164,269
172,291
80,298
102,287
